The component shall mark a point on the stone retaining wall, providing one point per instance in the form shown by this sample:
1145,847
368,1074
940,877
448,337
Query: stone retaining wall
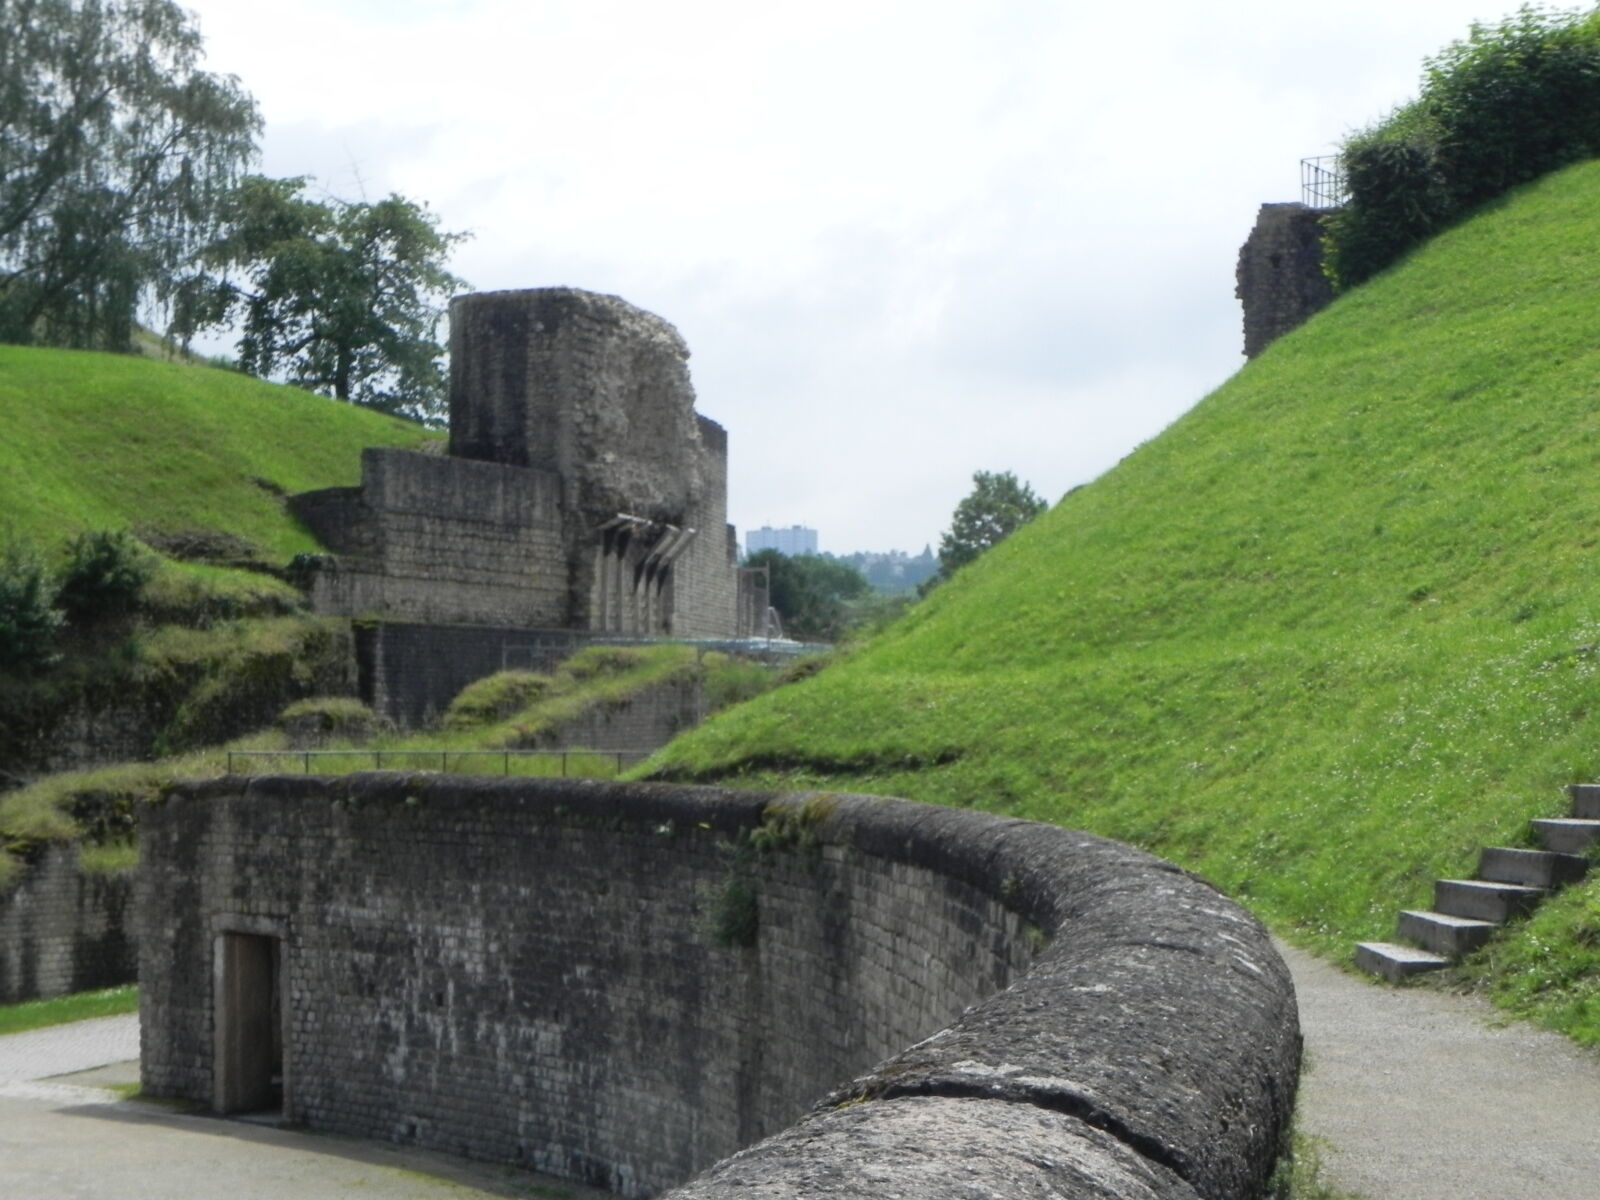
623,984
410,673
645,721
64,929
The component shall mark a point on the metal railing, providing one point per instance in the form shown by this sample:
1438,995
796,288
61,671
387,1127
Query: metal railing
425,759
1322,182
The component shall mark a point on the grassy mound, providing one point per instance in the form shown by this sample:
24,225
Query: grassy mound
1332,631
101,441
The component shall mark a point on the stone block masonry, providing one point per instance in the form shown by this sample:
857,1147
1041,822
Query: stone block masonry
1280,279
426,538
410,672
64,929
581,492
624,984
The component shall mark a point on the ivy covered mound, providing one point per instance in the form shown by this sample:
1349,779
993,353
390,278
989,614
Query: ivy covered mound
1326,636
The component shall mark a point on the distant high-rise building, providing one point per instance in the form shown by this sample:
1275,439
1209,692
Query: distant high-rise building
796,539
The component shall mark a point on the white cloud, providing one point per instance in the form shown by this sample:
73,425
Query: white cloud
905,240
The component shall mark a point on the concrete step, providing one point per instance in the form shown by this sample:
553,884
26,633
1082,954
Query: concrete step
1533,868
1440,933
1484,901
1585,800
1396,963
1567,835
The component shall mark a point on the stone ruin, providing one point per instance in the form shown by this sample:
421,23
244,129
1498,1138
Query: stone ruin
1279,278
581,491
581,498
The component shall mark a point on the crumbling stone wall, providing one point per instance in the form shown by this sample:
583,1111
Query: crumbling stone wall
623,984
1280,279
64,929
582,491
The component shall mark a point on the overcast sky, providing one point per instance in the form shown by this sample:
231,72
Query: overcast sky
904,239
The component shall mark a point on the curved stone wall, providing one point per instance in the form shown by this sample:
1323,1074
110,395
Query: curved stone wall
624,984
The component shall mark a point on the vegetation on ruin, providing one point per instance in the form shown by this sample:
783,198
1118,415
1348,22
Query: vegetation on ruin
1333,631
189,654
519,709
41,1014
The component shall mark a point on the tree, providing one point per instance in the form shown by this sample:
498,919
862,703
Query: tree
811,593
337,297
997,507
114,151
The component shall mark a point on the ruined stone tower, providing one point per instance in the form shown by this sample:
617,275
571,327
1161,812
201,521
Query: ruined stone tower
581,492
1280,279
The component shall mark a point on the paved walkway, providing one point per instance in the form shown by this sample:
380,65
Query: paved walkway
1418,1094
64,1135
65,1048
1432,1096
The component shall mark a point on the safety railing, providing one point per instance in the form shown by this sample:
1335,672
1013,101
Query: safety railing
467,762
1322,182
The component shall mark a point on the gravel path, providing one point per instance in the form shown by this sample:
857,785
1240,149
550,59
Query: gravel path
1430,1096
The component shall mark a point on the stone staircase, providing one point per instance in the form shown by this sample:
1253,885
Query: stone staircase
1510,883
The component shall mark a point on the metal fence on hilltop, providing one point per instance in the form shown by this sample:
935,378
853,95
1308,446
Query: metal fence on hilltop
1322,182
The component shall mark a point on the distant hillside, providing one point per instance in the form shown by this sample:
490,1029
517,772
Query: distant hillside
1328,634
104,441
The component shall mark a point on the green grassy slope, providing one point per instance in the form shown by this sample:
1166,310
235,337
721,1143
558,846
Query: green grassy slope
119,442
1332,631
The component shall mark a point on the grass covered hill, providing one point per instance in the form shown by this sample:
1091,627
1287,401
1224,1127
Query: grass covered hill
100,441
1332,631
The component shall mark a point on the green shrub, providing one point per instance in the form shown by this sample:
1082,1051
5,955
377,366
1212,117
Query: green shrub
28,616
1402,202
104,574
1515,101
1510,103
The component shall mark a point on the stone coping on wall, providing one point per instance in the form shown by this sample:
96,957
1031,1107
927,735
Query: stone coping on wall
1151,1050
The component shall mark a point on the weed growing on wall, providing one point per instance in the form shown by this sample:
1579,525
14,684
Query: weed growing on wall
736,912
